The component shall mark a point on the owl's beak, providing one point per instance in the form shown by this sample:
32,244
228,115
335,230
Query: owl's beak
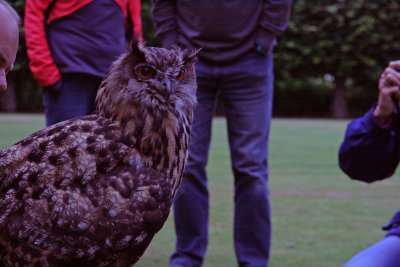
167,88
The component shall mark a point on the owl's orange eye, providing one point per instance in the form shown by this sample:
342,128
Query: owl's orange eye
181,75
145,72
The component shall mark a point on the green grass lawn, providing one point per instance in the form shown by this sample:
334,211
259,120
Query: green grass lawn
320,217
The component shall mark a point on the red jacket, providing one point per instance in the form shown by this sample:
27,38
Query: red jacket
41,63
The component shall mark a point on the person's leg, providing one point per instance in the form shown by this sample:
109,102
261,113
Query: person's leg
191,201
75,98
247,95
385,253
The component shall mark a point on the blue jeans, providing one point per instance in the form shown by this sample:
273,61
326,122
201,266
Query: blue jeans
75,98
246,89
385,253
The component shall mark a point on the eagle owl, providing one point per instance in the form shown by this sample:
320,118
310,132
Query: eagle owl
94,190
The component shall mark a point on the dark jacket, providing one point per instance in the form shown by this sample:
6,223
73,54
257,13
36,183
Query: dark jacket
368,153
45,70
224,29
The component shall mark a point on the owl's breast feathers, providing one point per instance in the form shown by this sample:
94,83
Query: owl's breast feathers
87,190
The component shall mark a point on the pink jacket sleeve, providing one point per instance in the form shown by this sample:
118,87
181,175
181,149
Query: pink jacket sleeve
41,63
134,9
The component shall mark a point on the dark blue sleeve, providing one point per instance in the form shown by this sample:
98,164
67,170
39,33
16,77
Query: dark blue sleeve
164,16
367,152
393,227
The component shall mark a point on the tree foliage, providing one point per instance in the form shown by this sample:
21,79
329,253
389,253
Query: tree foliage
350,41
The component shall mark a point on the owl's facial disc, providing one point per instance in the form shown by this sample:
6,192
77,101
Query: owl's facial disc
166,87
170,81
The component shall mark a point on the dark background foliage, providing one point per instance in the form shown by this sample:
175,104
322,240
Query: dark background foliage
327,63
332,54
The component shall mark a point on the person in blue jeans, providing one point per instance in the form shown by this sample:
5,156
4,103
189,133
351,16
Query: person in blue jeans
71,45
236,65
370,152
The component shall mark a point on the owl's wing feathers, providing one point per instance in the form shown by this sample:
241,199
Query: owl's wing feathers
80,178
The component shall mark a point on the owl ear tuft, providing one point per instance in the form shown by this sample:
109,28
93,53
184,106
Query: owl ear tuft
190,55
136,49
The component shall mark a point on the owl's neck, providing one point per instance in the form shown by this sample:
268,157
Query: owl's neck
158,133
161,138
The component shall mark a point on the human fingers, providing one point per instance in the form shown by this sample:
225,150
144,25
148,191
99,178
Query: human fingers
394,64
388,87
388,92
391,78
385,107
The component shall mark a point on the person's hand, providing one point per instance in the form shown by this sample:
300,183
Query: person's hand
54,89
389,85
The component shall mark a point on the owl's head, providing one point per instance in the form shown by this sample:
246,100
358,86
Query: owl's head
150,77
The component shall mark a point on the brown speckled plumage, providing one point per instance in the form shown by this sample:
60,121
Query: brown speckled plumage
93,191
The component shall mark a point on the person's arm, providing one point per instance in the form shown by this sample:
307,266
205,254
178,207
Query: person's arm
369,151
272,22
41,63
134,9
164,18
